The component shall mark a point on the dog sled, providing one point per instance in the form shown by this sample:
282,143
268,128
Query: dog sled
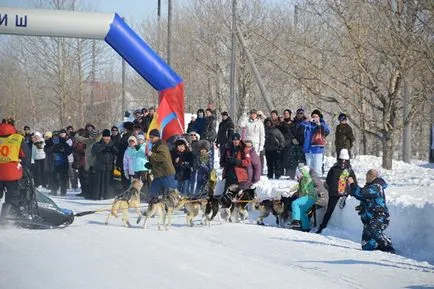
35,210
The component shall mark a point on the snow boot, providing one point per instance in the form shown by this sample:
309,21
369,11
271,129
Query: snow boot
295,225
319,231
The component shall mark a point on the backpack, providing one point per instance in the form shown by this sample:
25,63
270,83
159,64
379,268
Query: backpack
318,138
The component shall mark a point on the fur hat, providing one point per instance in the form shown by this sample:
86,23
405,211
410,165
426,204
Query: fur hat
196,134
132,138
62,131
203,145
48,134
37,134
344,154
181,141
155,132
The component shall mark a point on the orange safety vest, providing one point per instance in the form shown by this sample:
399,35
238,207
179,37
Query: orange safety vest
10,148
10,157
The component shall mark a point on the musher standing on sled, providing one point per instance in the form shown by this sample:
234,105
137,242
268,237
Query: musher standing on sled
14,154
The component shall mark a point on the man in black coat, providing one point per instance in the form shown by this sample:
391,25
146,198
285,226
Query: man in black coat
104,152
209,131
285,128
59,149
225,132
274,144
296,154
344,138
337,185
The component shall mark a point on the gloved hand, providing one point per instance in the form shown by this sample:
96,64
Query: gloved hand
295,141
127,175
137,147
148,166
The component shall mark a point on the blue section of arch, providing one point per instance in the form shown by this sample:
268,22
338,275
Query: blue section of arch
140,56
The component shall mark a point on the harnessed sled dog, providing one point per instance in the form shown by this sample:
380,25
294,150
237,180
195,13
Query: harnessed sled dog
163,206
234,202
128,199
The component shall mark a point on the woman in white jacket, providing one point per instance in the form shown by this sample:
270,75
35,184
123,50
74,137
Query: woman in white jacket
253,130
38,160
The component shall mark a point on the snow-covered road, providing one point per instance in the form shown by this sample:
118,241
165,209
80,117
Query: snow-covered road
89,254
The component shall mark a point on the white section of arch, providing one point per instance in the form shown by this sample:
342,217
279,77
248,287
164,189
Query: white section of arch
39,22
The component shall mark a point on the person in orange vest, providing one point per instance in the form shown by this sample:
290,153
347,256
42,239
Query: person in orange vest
14,154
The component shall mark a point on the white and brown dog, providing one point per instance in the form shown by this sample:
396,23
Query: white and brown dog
193,207
164,207
130,199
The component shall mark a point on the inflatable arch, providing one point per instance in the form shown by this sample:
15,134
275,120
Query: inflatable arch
112,29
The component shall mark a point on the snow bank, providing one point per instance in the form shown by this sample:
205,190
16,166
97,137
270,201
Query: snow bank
410,199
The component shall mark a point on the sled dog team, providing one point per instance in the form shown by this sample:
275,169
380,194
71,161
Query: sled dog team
233,202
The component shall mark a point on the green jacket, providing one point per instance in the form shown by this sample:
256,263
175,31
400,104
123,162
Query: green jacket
307,187
161,161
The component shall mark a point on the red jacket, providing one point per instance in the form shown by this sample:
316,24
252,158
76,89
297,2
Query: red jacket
11,171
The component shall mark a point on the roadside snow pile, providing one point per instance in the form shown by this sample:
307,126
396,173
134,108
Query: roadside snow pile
410,199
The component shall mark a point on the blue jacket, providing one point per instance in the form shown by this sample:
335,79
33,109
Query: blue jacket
199,126
140,159
372,199
309,130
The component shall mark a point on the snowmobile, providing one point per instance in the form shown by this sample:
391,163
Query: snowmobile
35,210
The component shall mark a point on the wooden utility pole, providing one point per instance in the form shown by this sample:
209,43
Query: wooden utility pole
232,96
255,72
169,31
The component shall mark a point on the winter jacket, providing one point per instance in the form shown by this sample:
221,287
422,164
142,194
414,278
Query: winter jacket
60,151
199,125
274,139
344,137
332,179
147,122
201,170
38,152
104,155
128,162
235,160
309,130
225,132
285,128
71,156
116,139
254,131
122,147
184,165
372,200
9,170
209,129
306,187
190,126
140,158
297,130
161,161
89,158
79,154
255,169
